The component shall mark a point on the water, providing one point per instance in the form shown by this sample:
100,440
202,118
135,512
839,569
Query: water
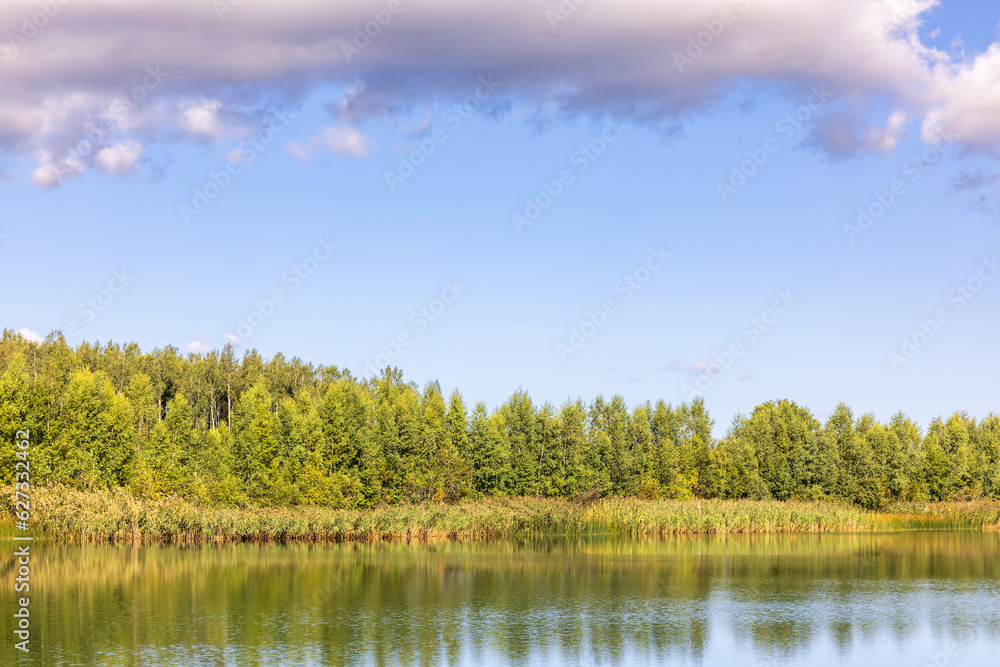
892,599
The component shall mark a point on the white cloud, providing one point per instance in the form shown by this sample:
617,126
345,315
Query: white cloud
48,175
51,172
203,119
198,347
233,339
885,139
120,158
31,336
344,140
221,75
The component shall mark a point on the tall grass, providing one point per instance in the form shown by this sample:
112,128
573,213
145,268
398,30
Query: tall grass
117,516
981,515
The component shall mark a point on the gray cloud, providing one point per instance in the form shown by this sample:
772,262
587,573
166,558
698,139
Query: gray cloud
982,185
845,135
80,73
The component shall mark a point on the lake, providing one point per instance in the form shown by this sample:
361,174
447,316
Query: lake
859,599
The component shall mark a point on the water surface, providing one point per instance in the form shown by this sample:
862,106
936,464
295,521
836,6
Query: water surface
889,599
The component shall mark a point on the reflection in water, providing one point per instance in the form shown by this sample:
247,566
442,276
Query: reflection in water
755,599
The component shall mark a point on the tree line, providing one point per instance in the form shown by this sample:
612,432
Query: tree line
225,430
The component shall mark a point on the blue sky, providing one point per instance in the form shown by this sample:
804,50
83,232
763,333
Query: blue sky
781,240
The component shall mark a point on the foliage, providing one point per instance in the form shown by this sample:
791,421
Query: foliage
218,431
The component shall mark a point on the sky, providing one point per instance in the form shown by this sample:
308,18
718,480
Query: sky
742,200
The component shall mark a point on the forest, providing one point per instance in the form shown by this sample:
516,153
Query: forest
222,430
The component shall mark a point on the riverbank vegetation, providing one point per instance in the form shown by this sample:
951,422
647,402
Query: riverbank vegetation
204,433
114,515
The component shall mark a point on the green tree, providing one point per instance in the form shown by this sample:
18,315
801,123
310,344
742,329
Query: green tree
738,460
94,442
490,453
986,440
859,479
254,441
519,425
20,411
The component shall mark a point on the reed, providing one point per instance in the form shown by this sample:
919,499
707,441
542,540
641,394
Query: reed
116,516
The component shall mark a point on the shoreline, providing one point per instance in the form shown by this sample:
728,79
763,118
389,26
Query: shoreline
115,516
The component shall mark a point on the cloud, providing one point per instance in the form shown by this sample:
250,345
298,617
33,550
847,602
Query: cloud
30,336
344,140
699,368
694,369
120,158
51,171
233,339
109,72
671,366
202,119
974,179
198,347
628,379
982,184
846,135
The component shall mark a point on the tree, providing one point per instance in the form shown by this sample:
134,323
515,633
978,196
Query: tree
956,441
254,442
739,463
94,442
986,442
696,447
20,411
490,453
574,475
519,425
284,432
860,478
936,468
666,452
177,445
